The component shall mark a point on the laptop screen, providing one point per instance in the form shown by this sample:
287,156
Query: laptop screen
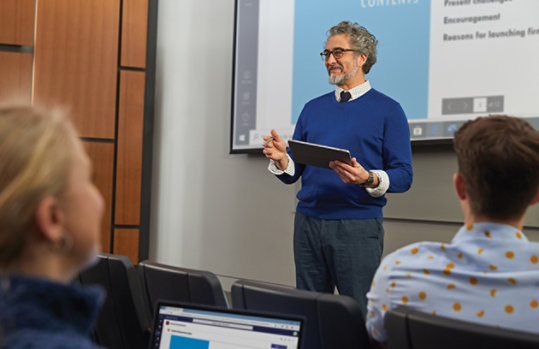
198,327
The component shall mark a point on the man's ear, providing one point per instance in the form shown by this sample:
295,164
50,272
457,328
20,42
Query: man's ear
460,187
361,59
49,219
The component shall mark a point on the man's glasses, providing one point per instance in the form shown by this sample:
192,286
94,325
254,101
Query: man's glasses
336,52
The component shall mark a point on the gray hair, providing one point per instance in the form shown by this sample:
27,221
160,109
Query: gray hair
360,39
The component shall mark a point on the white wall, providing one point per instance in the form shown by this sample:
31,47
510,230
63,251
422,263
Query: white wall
210,210
225,213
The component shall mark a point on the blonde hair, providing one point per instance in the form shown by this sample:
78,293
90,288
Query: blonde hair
36,157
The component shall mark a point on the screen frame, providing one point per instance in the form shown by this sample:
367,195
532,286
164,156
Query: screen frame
416,141
213,308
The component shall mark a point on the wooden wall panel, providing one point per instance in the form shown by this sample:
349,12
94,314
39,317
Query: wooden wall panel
102,156
76,61
126,243
17,22
134,33
15,77
129,147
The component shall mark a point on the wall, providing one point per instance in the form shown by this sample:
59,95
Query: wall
55,53
225,213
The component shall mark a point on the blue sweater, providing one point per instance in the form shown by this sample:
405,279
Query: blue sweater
38,313
375,130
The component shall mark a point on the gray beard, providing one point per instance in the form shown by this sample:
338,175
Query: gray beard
339,80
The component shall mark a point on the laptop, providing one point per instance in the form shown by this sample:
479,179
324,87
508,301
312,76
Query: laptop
188,326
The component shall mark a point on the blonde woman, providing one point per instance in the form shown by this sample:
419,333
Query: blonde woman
50,217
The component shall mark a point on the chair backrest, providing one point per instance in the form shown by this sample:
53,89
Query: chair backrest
332,321
123,321
432,331
166,282
396,326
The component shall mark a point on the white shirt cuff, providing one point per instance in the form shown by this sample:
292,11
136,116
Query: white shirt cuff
383,184
290,169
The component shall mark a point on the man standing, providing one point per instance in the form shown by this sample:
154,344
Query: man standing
338,233
489,272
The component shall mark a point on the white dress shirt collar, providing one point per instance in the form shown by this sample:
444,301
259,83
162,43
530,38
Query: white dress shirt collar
356,92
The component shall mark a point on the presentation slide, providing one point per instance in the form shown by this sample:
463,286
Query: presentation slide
444,61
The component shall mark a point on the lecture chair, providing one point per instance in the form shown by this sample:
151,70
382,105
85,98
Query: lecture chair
123,321
167,282
410,329
332,321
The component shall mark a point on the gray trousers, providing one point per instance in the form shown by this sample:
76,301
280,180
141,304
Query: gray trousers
342,253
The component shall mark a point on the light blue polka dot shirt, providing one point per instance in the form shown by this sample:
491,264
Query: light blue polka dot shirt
488,274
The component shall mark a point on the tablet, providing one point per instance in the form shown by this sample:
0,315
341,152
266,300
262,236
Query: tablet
316,154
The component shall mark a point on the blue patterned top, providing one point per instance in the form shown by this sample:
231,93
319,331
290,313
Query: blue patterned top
39,313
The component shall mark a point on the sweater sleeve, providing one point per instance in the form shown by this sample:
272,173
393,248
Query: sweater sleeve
397,152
